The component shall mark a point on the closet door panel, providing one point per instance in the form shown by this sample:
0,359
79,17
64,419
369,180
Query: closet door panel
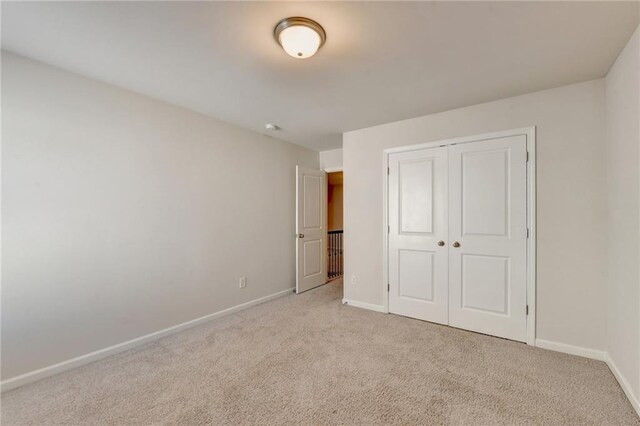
487,235
418,266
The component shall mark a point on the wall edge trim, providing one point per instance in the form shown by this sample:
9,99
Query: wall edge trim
363,305
626,388
70,364
572,349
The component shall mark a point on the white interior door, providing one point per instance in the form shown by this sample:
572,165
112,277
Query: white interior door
488,237
311,228
418,233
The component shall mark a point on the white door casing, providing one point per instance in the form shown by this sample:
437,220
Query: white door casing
311,228
417,223
488,221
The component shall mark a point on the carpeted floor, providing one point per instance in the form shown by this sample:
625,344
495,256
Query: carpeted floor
308,359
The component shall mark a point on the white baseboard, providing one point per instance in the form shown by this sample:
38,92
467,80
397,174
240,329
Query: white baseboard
635,402
363,305
600,356
70,364
572,350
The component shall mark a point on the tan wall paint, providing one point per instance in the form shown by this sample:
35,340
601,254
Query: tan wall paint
331,160
335,208
571,201
117,220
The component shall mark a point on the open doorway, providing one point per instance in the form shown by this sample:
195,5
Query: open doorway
335,247
319,213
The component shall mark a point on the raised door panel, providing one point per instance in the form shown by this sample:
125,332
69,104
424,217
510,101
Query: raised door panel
313,257
415,279
415,179
312,216
485,283
485,193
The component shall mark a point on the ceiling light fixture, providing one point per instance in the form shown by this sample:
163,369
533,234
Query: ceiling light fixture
299,37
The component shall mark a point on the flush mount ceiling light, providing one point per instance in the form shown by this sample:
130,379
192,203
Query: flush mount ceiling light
299,37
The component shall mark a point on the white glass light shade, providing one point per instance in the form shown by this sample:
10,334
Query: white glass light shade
299,41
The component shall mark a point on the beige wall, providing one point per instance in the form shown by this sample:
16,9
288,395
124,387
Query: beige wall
571,201
116,220
622,88
331,160
335,207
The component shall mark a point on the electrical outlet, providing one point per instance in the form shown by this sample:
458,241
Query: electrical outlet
354,279
243,282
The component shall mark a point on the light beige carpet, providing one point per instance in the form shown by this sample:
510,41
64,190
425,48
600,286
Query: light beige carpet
308,359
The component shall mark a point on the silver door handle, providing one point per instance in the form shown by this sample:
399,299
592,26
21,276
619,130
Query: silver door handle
440,243
456,244
300,235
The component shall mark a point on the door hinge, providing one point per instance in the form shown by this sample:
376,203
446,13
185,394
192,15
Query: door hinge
388,287
388,229
527,156
527,309
527,232
388,171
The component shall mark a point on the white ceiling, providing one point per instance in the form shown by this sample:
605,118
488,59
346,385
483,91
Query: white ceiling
383,61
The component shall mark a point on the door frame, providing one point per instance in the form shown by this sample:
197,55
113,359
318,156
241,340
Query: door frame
328,170
530,134
333,169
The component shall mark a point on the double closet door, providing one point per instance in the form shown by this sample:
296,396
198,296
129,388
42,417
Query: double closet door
458,235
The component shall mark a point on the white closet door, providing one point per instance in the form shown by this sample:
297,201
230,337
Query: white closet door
417,222
487,223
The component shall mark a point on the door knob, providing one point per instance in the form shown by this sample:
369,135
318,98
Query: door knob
300,235
456,244
440,243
